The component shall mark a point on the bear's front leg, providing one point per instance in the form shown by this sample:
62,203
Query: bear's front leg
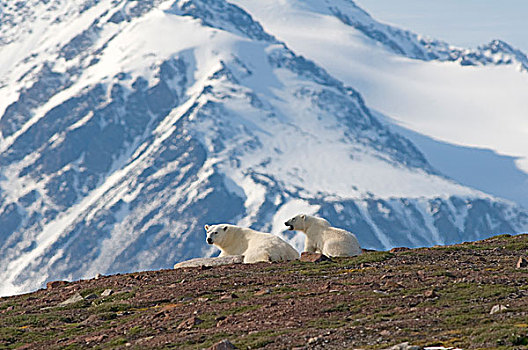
309,246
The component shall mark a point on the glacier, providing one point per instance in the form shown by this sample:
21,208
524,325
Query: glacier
126,126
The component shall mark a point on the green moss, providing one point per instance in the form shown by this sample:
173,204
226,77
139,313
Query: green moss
327,323
11,336
467,292
135,331
341,307
199,341
316,269
519,339
240,310
116,342
7,304
88,291
284,289
113,307
29,320
14,337
370,257
82,304
116,297
258,339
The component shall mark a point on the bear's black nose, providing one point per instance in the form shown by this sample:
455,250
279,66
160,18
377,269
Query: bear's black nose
286,223
209,240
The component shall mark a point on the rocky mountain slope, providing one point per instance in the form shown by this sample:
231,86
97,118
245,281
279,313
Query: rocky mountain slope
467,296
139,122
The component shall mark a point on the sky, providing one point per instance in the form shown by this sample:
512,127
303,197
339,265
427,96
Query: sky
466,23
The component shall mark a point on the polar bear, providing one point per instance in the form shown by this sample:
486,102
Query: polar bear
253,245
323,238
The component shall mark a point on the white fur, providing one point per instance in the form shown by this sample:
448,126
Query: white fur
253,245
323,238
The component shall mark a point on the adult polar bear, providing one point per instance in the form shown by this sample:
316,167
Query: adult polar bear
323,238
253,245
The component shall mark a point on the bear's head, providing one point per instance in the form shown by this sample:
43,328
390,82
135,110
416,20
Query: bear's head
297,223
216,233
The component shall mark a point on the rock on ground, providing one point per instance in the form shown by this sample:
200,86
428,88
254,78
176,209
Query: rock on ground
314,257
223,345
224,260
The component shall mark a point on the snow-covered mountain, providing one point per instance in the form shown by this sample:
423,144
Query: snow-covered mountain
470,103
127,125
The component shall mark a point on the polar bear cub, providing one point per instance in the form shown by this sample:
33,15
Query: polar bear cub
253,245
323,238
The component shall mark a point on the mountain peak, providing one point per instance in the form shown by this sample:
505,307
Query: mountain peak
222,15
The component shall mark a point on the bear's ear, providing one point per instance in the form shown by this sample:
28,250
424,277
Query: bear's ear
206,227
303,216
225,228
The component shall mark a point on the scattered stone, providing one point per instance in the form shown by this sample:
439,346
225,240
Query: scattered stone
393,285
107,293
399,249
25,347
314,257
95,339
143,340
522,263
91,296
162,314
448,274
385,333
368,250
72,300
90,320
430,293
123,313
223,345
314,340
223,320
55,284
405,346
263,292
377,291
189,323
498,308
139,277
98,276
127,289
9,308
229,296
209,262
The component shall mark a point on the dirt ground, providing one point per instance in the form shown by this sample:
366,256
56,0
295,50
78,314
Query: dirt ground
429,296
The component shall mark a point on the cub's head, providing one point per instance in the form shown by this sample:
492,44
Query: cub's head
297,223
216,233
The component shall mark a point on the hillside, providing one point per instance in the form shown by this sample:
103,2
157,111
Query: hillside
427,296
